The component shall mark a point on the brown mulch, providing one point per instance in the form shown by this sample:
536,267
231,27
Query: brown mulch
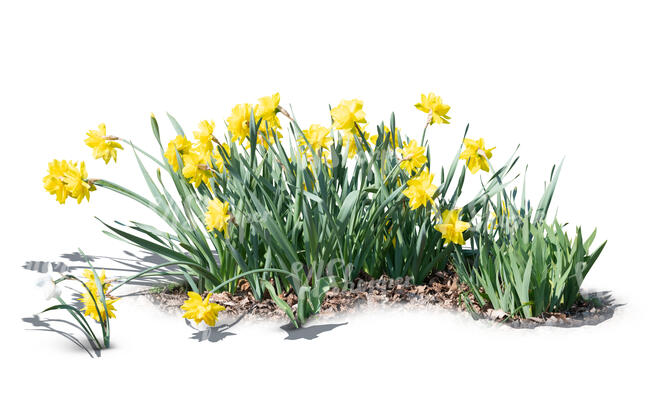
442,289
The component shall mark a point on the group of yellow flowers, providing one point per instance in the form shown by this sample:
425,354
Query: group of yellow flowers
197,157
350,119
65,179
203,157
69,179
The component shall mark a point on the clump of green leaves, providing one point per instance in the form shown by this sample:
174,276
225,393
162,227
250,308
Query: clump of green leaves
522,264
325,224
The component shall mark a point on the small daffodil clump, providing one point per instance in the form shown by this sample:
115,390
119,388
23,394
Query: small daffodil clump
452,228
201,309
96,302
104,147
476,155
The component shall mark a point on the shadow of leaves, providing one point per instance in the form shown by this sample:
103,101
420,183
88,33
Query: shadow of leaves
213,334
309,333
45,326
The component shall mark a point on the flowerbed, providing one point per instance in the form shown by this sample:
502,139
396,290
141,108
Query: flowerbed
297,212
442,290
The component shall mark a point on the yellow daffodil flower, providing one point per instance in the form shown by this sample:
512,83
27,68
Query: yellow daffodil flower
217,216
349,141
198,309
180,144
347,113
318,137
238,122
76,182
204,137
87,298
412,156
476,155
103,147
420,189
91,284
267,109
53,181
196,168
451,228
90,309
65,180
433,106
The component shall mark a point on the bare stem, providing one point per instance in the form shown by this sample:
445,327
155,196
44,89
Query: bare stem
285,113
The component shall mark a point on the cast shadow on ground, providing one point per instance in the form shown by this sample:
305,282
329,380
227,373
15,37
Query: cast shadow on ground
132,263
213,334
601,312
45,326
309,333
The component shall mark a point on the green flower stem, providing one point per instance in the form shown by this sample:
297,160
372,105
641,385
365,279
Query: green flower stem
424,132
146,154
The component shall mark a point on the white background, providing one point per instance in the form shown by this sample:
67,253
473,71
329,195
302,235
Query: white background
560,78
